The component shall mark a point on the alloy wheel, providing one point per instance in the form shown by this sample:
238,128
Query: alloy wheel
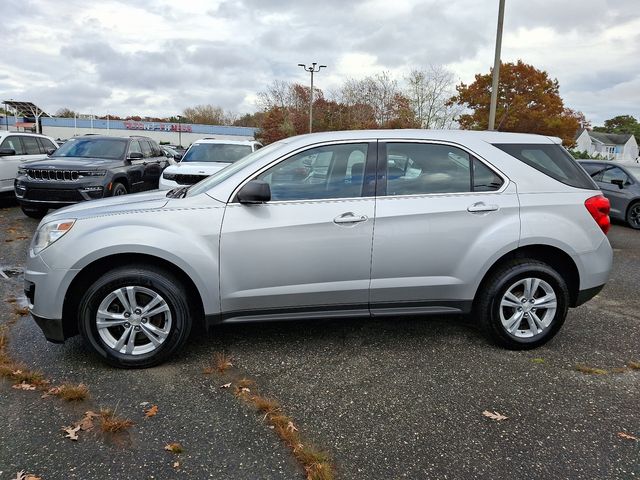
528,308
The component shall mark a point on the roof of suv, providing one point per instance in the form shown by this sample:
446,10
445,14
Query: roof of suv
226,142
4,133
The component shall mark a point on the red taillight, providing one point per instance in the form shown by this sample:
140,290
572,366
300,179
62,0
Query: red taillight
599,207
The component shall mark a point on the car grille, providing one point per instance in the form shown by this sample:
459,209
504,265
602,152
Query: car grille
189,179
53,195
61,175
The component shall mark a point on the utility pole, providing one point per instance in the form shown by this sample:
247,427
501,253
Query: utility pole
496,68
180,131
311,69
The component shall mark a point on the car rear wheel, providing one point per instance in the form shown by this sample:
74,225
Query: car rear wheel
633,215
135,317
34,212
523,304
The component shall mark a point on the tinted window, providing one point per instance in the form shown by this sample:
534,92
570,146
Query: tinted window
485,179
87,147
593,169
134,147
635,172
216,152
552,160
13,142
31,145
334,171
46,144
422,168
155,149
614,173
146,149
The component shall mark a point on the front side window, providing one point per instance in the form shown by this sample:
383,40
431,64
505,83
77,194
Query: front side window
31,145
216,152
146,149
110,148
13,142
422,169
134,147
332,171
46,144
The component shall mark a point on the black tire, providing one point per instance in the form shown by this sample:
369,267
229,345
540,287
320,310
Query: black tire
118,189
34,212
141,277
633,215
488,308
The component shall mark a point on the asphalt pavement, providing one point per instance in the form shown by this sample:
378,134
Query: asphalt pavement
387,399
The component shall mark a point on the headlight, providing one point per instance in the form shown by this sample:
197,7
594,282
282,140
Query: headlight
92,173
49,233
169,176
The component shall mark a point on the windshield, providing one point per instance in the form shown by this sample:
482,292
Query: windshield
226,172
216,152
112,148
634,171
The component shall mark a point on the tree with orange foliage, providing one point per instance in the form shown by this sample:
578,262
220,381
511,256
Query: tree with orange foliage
528,102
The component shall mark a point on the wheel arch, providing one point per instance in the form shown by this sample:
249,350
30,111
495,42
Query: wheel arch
95,269
553,256
121,178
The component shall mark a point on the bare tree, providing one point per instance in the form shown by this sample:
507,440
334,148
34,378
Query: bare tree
65,113
429,92
208,115
377,92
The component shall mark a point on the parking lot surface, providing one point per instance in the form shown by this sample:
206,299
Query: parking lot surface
389,399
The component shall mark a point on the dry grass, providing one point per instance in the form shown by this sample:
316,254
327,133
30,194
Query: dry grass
112,423
590,370
72,393
222,362
634,365
20,311
265,405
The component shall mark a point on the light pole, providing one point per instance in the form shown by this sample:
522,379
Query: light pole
179,130
311,69
496,68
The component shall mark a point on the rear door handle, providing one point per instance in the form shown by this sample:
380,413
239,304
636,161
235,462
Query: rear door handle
482,207
350,217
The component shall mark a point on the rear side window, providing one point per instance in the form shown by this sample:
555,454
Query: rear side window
552,160
146,149
31,145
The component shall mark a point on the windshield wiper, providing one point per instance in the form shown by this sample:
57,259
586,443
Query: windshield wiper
179,192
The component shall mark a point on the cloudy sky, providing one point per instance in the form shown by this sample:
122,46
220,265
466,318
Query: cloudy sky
156,57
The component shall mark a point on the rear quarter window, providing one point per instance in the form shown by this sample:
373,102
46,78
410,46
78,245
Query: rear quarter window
552,160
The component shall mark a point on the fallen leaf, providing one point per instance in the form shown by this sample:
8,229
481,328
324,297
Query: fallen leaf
50,392
86,424
291,427
26,476
176,464
174,447
151,412
626,436
23,386
226,385
494,415
71,432
32,477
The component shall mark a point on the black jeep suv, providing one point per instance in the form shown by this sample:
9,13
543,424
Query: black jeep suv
86,168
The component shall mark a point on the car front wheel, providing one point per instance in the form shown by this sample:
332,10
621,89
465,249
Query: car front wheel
135,317
523,304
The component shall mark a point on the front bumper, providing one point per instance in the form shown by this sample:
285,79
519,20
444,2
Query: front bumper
56,194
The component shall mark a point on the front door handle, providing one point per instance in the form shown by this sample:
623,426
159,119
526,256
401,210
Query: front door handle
482,207
350,217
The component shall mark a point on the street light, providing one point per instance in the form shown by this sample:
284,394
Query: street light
311,69
496,68
180,131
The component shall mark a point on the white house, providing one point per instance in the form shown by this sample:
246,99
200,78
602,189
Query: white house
621,147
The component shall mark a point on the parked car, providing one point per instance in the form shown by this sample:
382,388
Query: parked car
203,158
86,168
505,227
170,153
15,148
620,183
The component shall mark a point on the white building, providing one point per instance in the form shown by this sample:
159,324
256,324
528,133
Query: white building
621,147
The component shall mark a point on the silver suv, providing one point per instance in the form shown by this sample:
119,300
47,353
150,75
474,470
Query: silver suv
505,227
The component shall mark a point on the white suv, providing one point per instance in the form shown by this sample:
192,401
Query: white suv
205,157
505,227
17,147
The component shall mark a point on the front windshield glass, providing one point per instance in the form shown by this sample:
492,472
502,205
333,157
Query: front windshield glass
635,172
216,152
112,148
227,172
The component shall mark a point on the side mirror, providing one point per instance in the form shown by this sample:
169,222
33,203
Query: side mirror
255,191
135,156
619,182
5,152
50,151
177,157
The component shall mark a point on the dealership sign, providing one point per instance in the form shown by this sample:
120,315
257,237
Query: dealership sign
159,127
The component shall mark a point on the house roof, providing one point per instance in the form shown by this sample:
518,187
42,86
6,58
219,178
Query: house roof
610,138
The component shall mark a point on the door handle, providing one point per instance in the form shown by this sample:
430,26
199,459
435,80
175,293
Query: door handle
482,207
350,217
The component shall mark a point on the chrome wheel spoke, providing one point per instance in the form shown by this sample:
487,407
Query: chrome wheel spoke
537,321
132,341
123,339
154,334
162,308
122,297
157,300
131,296
548,301
510,300
533,327
109,319
514,322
